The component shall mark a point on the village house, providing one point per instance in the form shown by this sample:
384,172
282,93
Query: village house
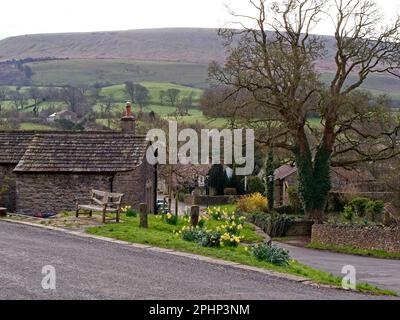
63,115
46,171
342,180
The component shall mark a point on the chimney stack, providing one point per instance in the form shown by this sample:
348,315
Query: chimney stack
128,120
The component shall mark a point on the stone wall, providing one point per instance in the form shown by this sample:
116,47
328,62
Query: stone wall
199,200
362,237
133,185
7,187
299,229
55,192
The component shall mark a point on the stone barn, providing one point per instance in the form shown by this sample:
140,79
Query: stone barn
13,145
56,167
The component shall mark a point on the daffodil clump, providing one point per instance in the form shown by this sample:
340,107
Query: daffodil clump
129,212
225,234
215,213
171,219
202,221
229,240
188,233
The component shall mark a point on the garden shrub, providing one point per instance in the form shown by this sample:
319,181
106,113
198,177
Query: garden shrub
271,254
255,185
191,234
211,239
287,209
274,224
360,205
348,213
375,210
252,202
294,199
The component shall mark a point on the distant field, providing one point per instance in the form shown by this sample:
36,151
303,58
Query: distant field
376,84
34,126
118,91
114,71
118,95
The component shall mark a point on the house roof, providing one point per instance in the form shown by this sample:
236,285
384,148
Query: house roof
88,152
284,171
13,145
354,175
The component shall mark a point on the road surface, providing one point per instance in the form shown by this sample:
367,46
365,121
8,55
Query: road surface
94,269
384,273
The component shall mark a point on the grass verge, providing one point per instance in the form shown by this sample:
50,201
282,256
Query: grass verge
356,251
161,234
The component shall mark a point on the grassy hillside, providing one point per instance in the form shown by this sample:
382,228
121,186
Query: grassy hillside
193,45
90,71
176,55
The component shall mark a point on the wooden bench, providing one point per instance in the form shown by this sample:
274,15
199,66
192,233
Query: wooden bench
101,201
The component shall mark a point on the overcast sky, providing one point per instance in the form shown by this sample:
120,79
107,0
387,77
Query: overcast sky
20,17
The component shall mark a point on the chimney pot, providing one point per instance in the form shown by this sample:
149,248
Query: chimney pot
128,120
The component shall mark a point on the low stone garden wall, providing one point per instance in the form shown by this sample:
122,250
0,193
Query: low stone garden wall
362,237
299,229
209,200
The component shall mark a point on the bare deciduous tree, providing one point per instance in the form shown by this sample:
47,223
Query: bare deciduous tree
278,75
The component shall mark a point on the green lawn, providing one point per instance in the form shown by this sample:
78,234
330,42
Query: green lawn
162,235
35,126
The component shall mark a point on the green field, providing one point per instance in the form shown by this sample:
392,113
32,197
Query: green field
119,97
118,91
114,71
376,84
34,126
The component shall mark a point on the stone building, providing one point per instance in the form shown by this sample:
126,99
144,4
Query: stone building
46,171
342,179
13,145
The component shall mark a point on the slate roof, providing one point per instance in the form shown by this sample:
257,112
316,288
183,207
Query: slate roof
284,171
13,145
354,175
84,152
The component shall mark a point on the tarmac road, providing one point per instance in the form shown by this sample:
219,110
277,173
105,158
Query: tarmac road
94,269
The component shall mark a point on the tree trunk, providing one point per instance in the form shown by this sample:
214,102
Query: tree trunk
314,178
